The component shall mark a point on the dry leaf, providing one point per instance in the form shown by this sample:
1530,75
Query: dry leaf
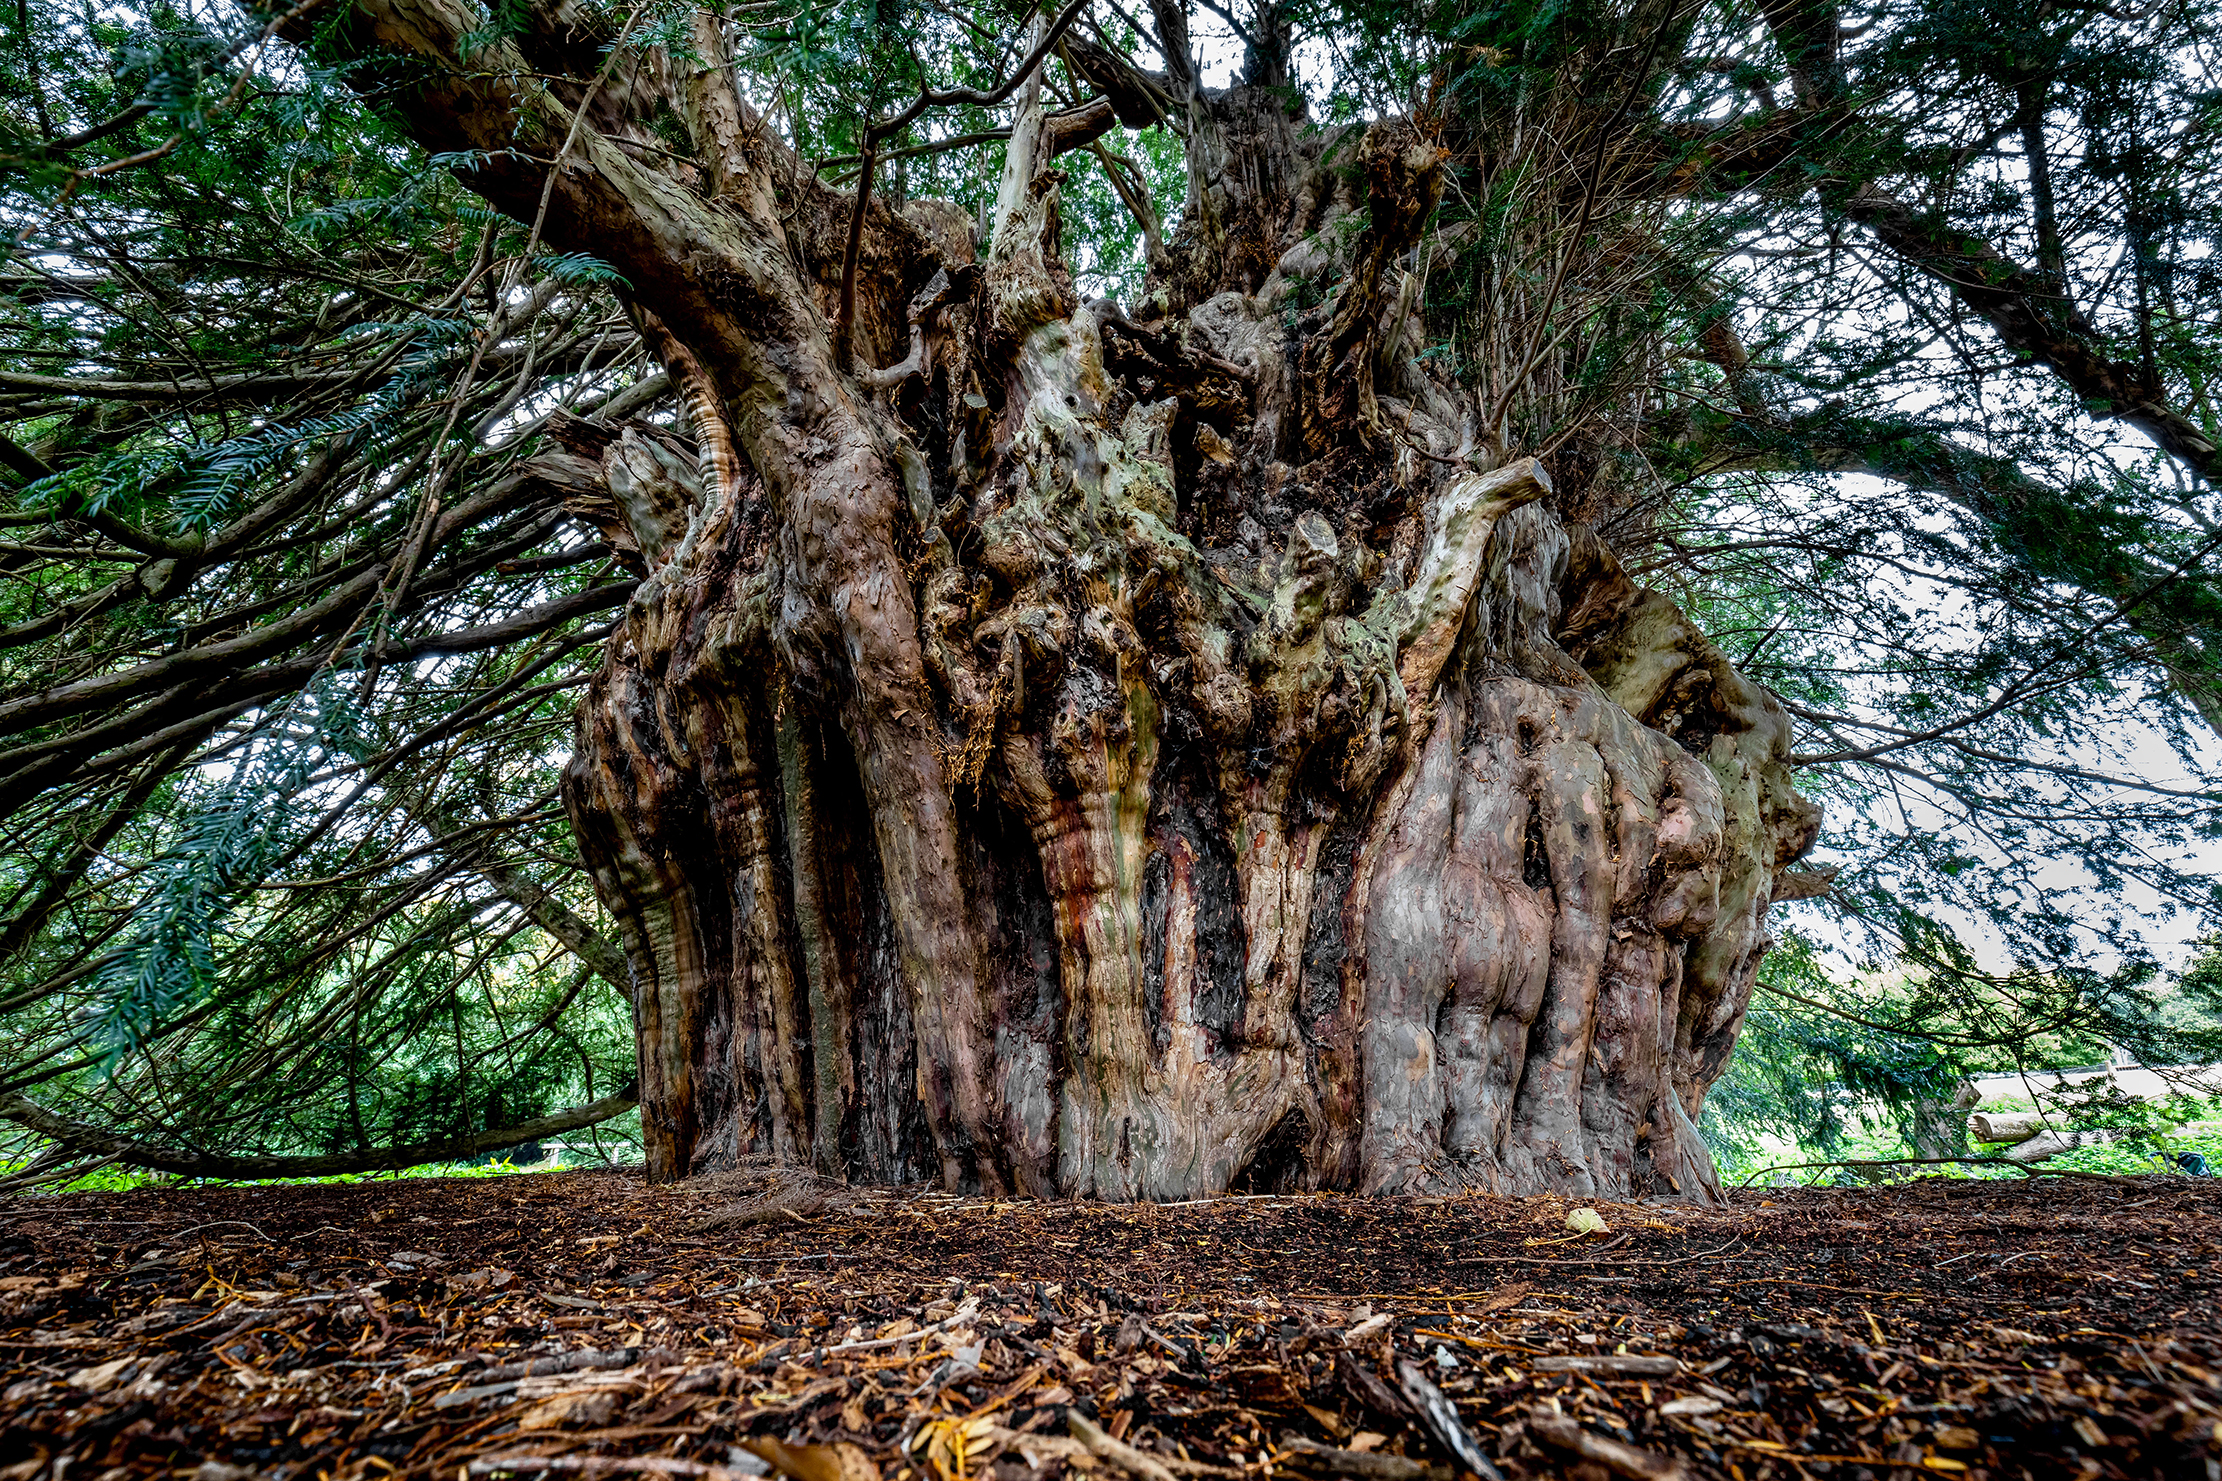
1504,1296
836,1462
103,1378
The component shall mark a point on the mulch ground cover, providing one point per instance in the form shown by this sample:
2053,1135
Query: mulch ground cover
575,1325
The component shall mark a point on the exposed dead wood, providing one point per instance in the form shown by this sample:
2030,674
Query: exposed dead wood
2046,1144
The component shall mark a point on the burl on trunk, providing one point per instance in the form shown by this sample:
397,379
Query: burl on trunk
1067,751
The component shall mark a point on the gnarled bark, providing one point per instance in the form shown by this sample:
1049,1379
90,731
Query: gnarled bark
1122,759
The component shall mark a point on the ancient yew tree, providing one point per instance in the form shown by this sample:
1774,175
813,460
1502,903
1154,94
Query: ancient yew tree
1051,734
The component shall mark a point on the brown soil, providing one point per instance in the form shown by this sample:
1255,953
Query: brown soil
587,1324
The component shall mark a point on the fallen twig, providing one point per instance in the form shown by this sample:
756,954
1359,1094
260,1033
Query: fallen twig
1363,1463
1118,1452
1629,1364
668,1465
970,1312
585,1359
1547,1260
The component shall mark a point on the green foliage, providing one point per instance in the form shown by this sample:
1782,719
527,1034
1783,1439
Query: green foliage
167,961
1809,1076
2155,1139
578,269
1871,1067
615,1144
1103,241
237,927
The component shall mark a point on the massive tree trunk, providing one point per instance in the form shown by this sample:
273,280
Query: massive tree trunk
1121,756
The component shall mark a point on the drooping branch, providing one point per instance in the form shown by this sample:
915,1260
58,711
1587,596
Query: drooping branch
2027,308
541,907
133,1152
184,713
262,389
34,913
1072,128
2074,534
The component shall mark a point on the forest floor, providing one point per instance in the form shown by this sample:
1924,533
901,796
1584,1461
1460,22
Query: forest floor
575,1325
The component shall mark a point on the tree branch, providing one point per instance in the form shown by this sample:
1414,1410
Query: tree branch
845,313
82,1138
2030,318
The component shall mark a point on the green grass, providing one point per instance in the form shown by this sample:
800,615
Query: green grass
2170,1127
2126,1158
127,1179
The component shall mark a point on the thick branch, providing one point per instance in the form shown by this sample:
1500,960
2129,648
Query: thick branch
185,712
2031,319
1141,98
28,921
540,906
2029,314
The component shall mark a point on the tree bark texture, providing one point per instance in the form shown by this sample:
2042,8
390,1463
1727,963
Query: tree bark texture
1121,756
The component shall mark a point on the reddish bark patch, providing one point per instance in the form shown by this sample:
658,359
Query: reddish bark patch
2042,1329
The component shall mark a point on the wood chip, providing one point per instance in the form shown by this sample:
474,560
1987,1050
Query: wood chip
1311,1455
1623,1364
1562,1433
1755,1312
1442,1418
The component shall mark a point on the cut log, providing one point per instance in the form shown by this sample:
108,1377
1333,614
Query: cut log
2004,1126
2052,1143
